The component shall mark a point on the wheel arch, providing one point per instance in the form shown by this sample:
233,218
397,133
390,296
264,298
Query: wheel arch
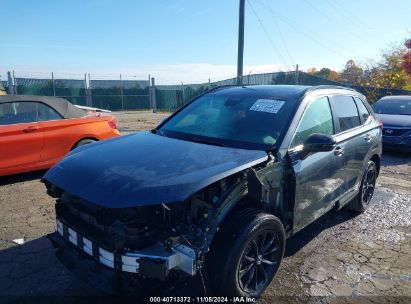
377,160
83,138
226,251
246,201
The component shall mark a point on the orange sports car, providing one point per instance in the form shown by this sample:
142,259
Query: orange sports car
36,132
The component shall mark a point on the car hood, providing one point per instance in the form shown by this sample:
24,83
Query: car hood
146,169
395,120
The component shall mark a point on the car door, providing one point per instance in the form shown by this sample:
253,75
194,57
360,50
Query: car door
353,139
21,140
317,183
368,136
54,129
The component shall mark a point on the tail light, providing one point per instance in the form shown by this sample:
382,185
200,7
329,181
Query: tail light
381,124
112,123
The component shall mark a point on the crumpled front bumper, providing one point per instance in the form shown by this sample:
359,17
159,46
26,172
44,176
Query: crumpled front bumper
86,269
93,263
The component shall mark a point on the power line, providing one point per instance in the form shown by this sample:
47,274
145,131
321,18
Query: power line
341,25
304,32
349,15
283,40
269,37
339,8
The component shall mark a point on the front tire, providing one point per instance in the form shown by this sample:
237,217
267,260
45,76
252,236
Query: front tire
363,199
246,254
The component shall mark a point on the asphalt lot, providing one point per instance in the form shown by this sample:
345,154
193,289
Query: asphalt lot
337,258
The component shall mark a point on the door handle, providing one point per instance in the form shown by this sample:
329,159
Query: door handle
30,129
339,151
367,137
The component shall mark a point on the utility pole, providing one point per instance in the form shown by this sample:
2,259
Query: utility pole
52,81
10,83
153,95
183,93
122,95
15,84
87,90
296,74
240,42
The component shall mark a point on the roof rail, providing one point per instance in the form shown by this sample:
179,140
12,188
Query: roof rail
328,86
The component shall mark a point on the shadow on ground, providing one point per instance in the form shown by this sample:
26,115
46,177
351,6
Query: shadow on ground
303,237
390,158
32,268
23,177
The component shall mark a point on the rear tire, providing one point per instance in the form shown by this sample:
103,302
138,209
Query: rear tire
84,142
362,201
246,254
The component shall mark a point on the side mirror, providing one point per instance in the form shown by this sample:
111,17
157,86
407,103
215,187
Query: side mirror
318,143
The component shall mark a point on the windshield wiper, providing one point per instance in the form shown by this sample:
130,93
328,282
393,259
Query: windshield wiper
158,132
208,142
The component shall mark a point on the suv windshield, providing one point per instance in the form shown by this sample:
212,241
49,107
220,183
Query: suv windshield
243,120
393,107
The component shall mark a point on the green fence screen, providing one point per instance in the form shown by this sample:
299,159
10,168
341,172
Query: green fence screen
135,94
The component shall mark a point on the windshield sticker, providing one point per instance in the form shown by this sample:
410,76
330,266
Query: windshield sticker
267,105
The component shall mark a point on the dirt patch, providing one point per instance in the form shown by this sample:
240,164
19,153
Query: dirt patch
396,171
144,120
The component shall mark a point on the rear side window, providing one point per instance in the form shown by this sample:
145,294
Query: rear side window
362,109
46,113
18,112
346,112
317,118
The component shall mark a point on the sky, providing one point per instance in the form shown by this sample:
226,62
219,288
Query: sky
191,41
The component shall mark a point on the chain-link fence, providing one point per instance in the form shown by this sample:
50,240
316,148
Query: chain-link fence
120,94
73,90
137,94
106,94
171,97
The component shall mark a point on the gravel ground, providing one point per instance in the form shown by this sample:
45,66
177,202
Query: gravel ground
339,258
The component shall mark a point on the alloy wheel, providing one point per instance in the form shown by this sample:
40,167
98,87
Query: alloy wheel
259,262
368,185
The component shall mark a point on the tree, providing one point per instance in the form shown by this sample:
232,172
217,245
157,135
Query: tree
312,71
352,74
324,73
406,58
386,72
392,74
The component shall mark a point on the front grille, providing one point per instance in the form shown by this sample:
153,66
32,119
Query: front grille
395,132
85,228
117,228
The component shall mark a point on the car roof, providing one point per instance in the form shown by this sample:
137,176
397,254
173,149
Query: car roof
397,97
60,105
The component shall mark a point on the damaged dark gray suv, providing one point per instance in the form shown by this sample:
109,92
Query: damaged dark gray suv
216,188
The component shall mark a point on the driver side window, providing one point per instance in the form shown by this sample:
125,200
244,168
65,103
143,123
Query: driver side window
317,118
